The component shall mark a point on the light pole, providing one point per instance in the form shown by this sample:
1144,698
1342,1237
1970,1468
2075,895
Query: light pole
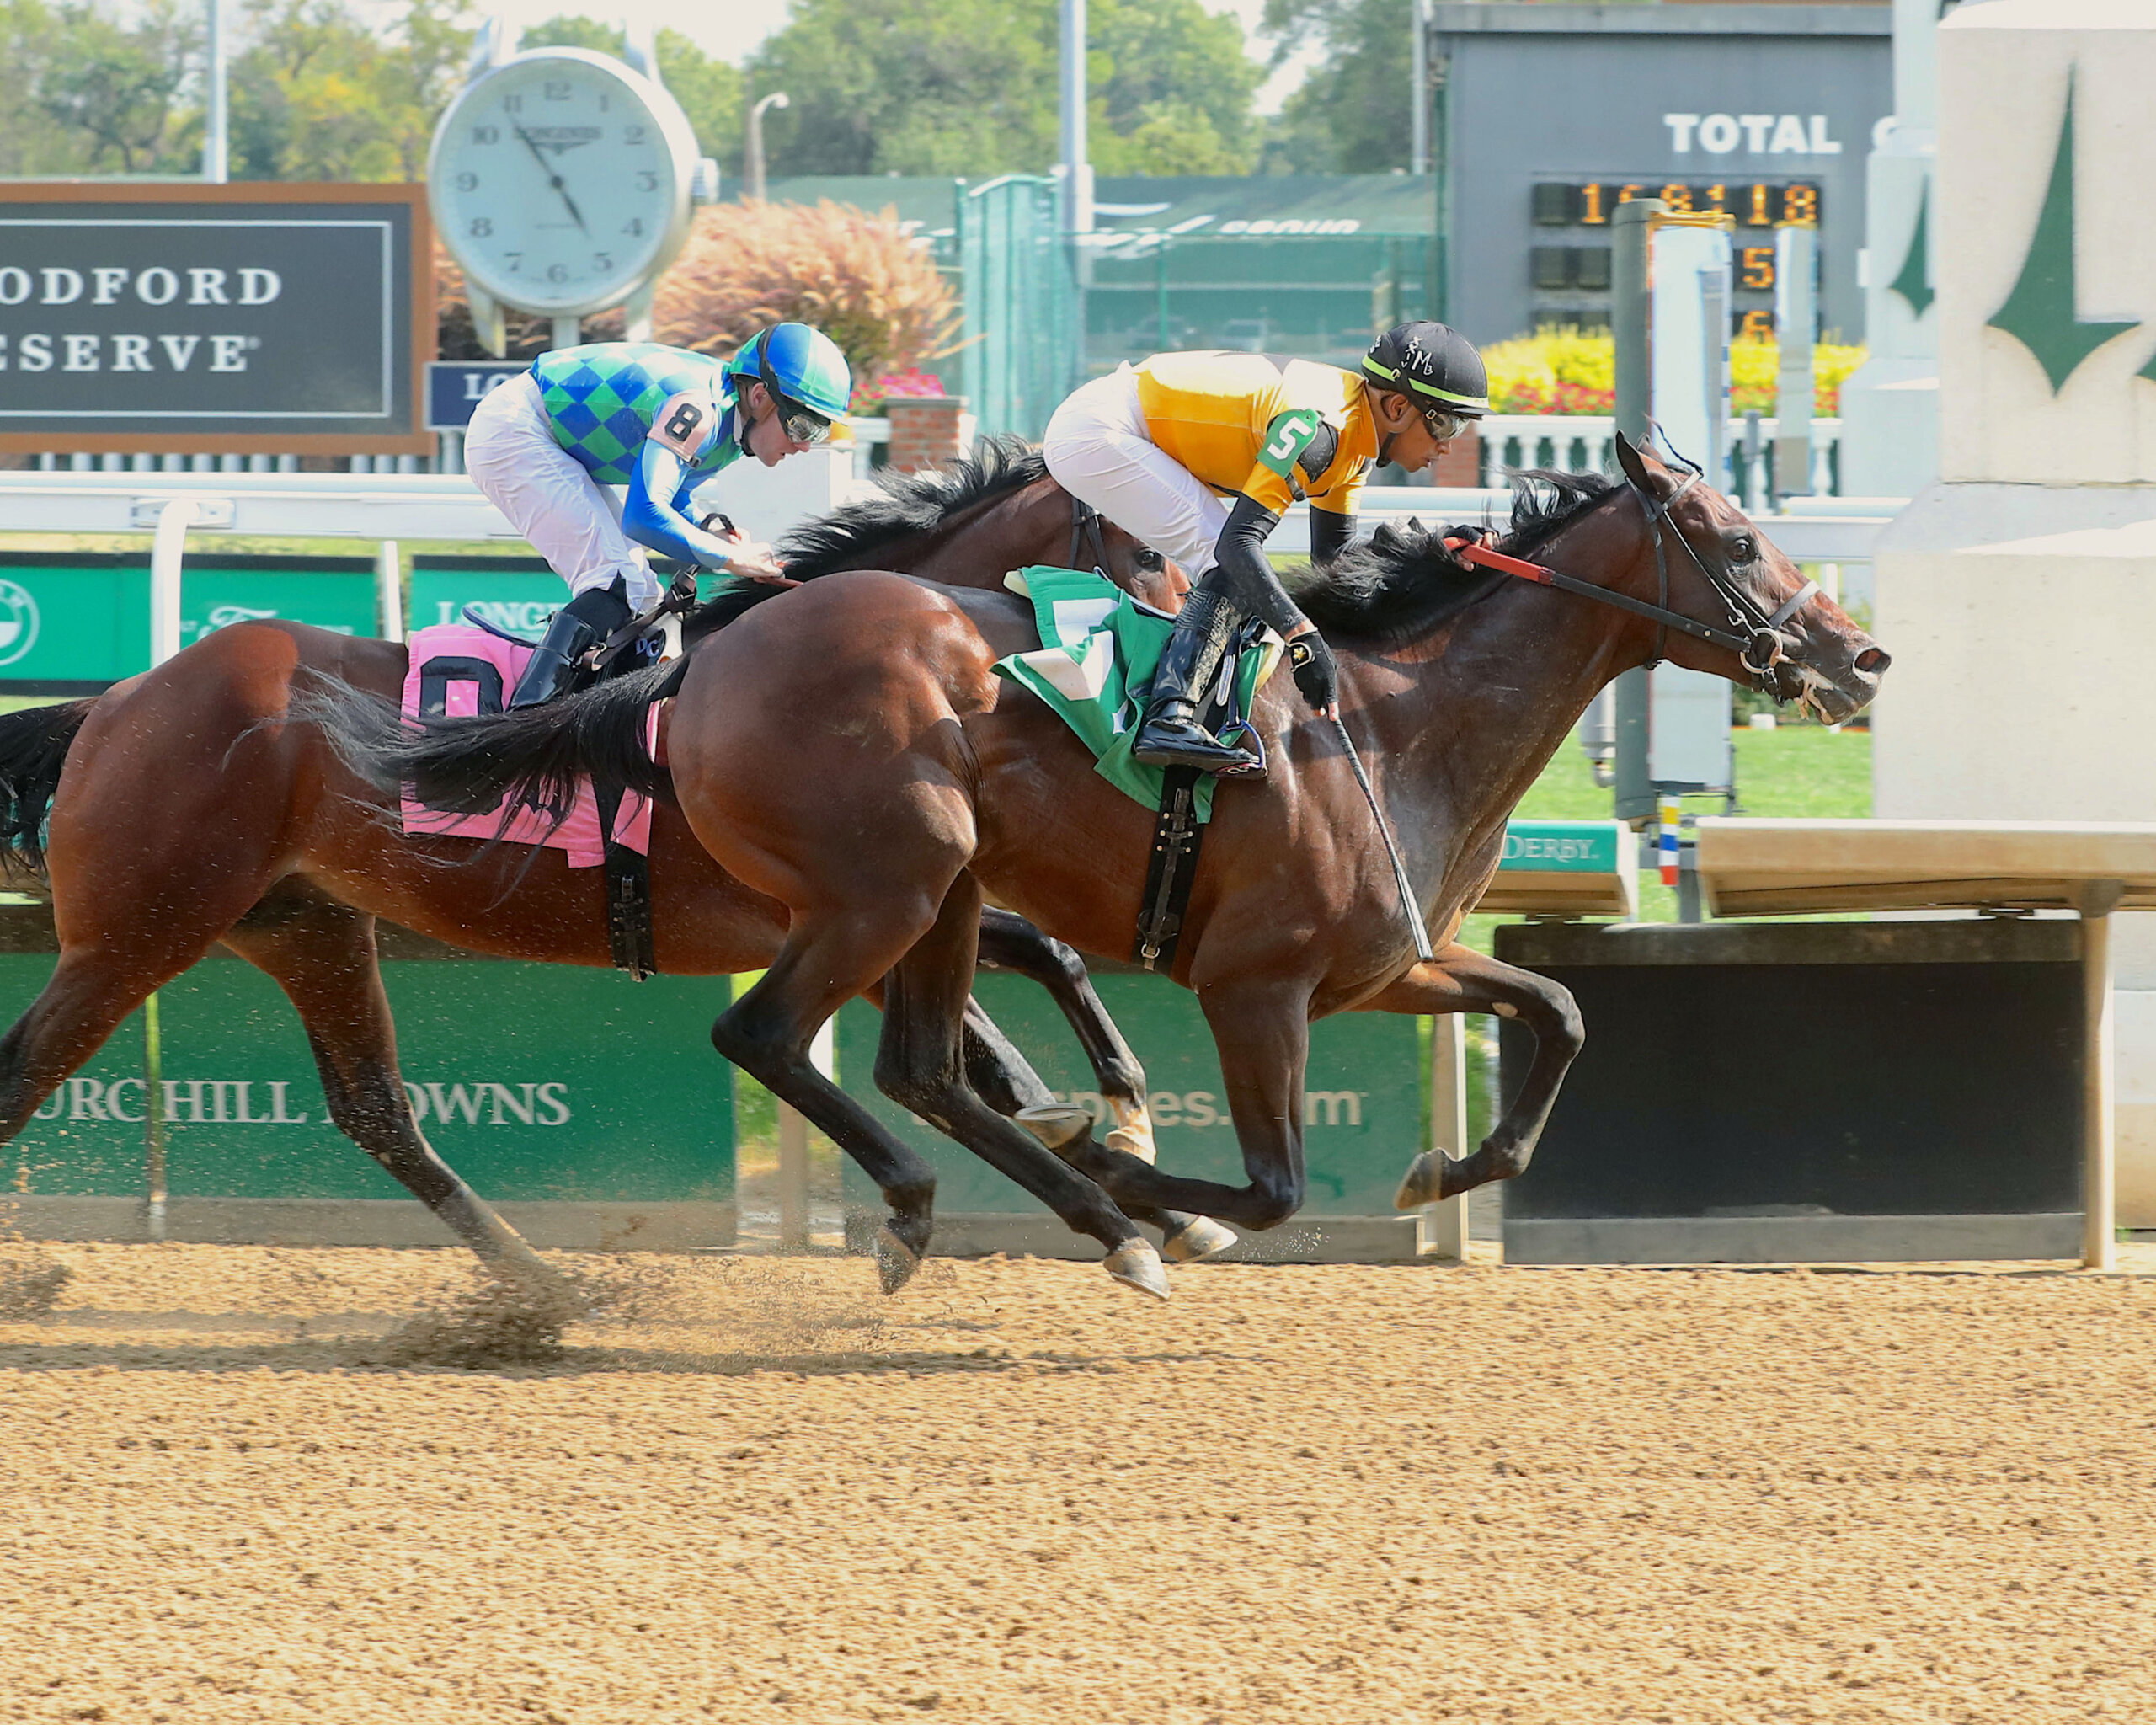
752,158
215,127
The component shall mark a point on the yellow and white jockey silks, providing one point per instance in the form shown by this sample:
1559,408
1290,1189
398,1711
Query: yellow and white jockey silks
1241,422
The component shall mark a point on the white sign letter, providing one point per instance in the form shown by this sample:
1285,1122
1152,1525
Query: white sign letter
37,354
14,285
55,294
179,348
157,287
1680,132
227,353
110,282
82,353
206,287
1755,130
257,287
1789,136
1718,134
1822,145
130,353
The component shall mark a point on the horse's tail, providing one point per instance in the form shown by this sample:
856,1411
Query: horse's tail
34,744
531,759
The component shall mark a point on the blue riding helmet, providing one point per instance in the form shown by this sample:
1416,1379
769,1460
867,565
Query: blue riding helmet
804,370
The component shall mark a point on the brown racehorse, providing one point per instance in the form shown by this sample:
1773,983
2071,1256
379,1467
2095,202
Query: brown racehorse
1458,686
187,814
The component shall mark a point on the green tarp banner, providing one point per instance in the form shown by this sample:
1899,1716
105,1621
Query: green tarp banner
84,618
1363,1108
535,1082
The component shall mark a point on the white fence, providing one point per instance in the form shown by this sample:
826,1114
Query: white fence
1580,442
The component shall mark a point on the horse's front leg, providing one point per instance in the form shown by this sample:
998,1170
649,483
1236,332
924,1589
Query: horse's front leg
1461,979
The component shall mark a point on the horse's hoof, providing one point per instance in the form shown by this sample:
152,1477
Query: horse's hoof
895,1260
1202,1239
1056,1124
1425,1181
1133,1132
1135,1264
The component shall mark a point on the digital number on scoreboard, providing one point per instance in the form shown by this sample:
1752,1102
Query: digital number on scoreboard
1752,203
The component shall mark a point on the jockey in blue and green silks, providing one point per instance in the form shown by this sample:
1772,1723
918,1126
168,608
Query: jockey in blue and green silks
545,447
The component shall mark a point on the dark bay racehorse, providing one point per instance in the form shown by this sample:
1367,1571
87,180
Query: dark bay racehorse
1458,684
188,814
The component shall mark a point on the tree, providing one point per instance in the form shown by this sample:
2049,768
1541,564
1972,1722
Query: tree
320,95
1353,114
970,86
709,90
118,87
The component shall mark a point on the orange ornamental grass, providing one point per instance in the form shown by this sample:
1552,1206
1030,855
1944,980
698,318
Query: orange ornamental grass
857,277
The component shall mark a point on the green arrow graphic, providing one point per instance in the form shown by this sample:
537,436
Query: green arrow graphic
1913,284
2039,314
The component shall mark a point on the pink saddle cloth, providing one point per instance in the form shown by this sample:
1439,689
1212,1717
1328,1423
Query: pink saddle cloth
456,670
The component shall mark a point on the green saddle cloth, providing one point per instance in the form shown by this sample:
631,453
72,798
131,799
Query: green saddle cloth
1095,664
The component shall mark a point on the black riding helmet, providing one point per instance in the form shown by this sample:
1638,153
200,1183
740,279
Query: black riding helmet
1435,367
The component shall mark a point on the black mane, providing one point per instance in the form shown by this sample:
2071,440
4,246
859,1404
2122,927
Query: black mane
1401,583
909,504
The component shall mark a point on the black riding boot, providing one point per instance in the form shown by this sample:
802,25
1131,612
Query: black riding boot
1172,736
576,628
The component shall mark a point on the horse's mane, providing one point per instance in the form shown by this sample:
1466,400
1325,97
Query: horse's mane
909,504
1401,583
906,504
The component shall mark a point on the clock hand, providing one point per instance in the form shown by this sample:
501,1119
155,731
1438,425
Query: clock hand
553,178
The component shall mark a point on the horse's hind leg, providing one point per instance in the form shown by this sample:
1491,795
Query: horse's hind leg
323,955
1008,942
919,1064
91,991
1000,1076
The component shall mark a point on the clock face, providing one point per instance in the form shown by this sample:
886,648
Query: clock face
556,184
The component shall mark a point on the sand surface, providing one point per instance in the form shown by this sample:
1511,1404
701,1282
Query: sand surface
237,1486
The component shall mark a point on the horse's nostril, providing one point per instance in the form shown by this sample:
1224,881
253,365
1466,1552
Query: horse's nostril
1874,661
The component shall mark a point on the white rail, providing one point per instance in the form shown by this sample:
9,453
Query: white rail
1581,441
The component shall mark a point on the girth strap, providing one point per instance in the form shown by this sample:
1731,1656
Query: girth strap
628,894
1178,836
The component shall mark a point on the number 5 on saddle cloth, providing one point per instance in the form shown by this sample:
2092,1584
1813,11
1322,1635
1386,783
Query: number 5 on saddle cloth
1094,667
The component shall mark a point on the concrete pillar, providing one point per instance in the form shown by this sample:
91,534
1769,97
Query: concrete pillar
2017,594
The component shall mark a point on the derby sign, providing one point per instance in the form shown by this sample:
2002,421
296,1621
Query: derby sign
214,319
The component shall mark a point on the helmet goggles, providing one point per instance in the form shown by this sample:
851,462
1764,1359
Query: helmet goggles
801,424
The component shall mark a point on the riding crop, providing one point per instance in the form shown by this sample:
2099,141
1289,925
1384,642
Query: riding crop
1407,904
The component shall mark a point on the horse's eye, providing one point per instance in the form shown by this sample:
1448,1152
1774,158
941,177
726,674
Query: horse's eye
1148,558
1743,550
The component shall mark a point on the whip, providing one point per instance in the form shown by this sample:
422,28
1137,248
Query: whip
1407,904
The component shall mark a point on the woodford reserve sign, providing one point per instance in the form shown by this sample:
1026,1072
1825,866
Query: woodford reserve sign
236,319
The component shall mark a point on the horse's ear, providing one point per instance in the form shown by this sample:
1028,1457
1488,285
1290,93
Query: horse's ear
1635,469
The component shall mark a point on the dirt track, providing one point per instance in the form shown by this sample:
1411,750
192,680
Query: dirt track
1019,1493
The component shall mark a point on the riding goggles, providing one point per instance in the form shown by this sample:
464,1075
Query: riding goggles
1446,425
801,424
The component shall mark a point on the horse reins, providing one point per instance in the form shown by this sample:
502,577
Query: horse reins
1759,649
1084,525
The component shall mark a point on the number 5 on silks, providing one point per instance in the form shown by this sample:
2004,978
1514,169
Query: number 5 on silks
1286,438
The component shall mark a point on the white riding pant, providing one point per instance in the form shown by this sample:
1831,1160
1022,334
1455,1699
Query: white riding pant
1098,450
549,496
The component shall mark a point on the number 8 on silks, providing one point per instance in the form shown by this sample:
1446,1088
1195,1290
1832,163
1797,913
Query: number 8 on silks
545,447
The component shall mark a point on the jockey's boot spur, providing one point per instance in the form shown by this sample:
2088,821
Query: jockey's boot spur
576,628
1172,736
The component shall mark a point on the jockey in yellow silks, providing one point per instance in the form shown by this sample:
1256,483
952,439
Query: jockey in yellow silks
1156,447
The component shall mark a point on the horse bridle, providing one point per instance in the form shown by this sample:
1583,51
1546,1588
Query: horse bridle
1759,646
1084,525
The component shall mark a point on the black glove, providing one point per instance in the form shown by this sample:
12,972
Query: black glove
1311,661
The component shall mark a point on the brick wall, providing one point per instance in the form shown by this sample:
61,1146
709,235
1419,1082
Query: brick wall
924,429
1461,464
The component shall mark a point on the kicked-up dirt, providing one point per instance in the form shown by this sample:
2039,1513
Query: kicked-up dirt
258,1486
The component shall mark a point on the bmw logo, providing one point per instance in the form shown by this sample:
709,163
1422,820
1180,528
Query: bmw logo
17,622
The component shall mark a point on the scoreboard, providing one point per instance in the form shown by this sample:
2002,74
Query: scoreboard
1569,271
1549,118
